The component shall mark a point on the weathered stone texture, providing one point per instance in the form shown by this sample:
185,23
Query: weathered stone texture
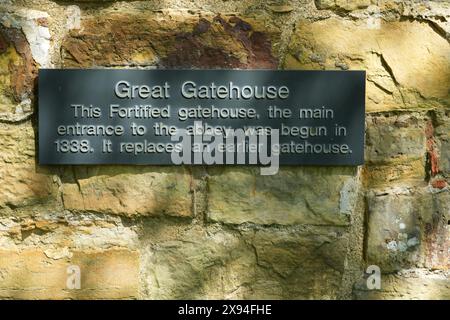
395,137
347,5
442,132
17,73
172,39
194,263
131,191
321,196
415,284
22,183
24,45
405,61
408,227
38,249
31,274
299,264
59,232
408,172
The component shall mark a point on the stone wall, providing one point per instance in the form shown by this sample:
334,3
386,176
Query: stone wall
226,232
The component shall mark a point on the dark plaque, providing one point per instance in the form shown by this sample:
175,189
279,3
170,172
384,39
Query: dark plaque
135,116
